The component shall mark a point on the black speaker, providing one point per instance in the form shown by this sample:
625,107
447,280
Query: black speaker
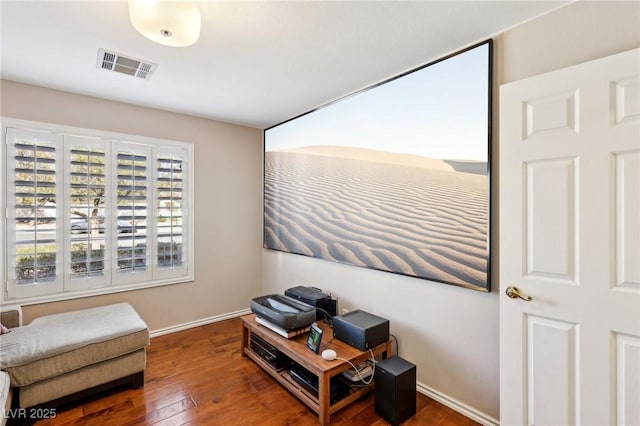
395,389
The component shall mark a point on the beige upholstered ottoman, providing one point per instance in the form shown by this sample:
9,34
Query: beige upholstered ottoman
61,355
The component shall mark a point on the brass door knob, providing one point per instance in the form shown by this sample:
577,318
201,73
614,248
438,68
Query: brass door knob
514,293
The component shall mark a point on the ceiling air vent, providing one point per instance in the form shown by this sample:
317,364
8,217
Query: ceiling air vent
112,61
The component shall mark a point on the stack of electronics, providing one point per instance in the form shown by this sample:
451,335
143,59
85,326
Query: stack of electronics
361,372
283,314
269,353
326,307
338,389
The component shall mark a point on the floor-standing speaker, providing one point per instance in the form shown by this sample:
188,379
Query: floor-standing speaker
395,389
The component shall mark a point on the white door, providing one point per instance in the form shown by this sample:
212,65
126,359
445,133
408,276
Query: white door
570,240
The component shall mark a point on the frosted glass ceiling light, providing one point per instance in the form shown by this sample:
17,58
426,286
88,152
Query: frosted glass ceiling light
172,23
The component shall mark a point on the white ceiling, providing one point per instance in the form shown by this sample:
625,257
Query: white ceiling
256,63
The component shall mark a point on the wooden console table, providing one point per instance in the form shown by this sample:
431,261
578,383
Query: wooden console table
296,349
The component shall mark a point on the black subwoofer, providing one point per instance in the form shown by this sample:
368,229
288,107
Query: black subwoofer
395,389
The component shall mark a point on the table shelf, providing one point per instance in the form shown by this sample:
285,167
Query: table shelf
297,351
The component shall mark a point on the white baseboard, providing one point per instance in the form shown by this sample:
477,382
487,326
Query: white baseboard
446,400
456,405
198,323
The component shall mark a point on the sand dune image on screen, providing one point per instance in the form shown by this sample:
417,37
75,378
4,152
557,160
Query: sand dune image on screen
399,213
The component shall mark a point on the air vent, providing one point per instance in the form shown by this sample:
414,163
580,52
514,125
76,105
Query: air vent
116,62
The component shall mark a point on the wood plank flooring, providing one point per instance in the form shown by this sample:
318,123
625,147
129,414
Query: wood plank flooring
197,377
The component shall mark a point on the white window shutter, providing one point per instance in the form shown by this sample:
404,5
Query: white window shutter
90,212
87,230
133,200
34,225
172,222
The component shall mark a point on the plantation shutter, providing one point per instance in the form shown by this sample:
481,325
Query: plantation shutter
33,220
133,203
87,264
171,214
90,214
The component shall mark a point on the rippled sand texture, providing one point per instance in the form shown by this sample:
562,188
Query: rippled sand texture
408,215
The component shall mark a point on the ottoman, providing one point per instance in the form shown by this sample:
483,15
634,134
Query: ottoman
61,355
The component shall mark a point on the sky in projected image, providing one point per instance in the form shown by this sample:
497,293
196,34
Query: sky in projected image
439,111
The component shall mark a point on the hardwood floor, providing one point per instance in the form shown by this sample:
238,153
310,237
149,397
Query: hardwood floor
197,377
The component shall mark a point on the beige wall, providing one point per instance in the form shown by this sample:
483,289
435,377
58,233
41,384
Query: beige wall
449,332
228,209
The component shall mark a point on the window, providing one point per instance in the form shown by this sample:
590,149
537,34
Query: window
94,213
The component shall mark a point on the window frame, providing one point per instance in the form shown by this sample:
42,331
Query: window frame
64,288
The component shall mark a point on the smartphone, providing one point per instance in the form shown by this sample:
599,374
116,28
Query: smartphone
314,338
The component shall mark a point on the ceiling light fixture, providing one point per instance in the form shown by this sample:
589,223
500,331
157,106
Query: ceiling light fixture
172,23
